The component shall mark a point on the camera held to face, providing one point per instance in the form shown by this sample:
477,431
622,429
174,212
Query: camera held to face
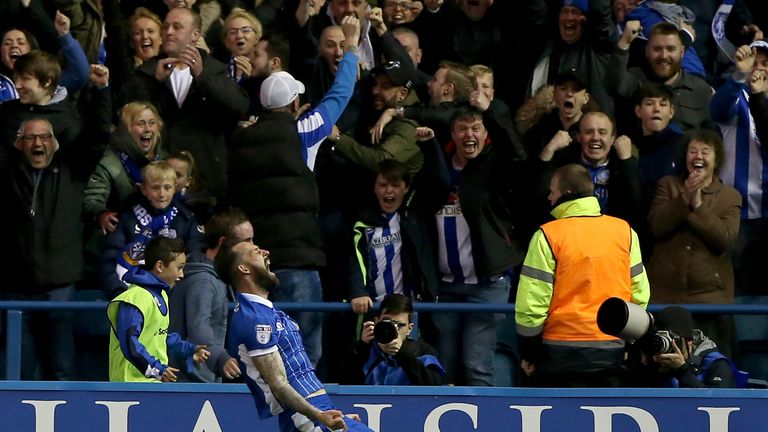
662,341
385,331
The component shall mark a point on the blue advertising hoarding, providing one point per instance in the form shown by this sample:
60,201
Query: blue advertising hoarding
73,406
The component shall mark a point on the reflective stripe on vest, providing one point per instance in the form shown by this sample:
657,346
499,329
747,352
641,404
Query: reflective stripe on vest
592,256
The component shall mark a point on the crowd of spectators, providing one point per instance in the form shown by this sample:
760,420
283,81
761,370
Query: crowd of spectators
378,147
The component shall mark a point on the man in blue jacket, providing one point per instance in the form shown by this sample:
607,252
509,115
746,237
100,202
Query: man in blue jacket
734,107
139,342
387,355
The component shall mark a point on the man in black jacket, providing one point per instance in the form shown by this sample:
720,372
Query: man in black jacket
43,188
477,251
197,101
613,168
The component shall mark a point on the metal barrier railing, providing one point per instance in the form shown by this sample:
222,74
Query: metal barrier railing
14,310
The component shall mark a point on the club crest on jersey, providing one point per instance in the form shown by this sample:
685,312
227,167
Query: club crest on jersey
280,326
263,332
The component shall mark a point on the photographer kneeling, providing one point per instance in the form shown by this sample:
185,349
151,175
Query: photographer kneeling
386,355
685,357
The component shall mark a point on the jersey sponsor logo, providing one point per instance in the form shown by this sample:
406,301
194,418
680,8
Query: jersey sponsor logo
161,332
263,332
380,242
450,210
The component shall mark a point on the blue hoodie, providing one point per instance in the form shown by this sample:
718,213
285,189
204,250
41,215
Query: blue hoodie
130,322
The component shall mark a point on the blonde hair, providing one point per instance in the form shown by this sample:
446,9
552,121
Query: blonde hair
142,12
461,76
158,171
482,70
131,110
242,13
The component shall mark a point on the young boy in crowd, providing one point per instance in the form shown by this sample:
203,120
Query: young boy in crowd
386,354
155,212
392,252
658,143
139,343
200,201
658,138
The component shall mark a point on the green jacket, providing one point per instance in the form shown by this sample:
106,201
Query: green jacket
398,142
110,185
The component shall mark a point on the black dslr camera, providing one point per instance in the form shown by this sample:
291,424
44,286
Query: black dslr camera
661,341
385,331
629,321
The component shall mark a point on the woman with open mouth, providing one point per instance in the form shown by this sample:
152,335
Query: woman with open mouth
695,220
242,32
17,41
135,143
145,35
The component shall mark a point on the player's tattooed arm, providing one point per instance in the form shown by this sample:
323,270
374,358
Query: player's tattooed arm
272,368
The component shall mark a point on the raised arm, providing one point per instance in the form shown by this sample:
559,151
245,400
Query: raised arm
603,32
618,80
318,123
723,106
400,144
75,71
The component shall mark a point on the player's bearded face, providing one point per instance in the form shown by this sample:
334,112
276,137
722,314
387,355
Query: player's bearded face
265,278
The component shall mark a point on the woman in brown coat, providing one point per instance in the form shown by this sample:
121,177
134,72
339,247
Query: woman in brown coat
695,221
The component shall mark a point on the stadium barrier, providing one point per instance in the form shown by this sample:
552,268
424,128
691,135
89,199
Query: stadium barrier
76,406
90,406
14,310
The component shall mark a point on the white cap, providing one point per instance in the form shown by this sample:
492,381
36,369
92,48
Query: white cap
759,44
279,90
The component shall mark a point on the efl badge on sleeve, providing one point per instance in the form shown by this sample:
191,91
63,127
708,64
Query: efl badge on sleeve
263,332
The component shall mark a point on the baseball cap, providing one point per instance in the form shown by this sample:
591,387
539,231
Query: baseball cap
677,319
279,90
760,44
583,5
571,75
399,74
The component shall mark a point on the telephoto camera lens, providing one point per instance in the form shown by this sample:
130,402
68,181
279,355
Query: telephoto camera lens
385,331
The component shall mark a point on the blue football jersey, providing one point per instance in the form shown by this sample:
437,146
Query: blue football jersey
258,328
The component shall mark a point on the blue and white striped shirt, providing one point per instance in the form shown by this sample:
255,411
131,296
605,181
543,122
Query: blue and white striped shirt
455,258
315,125
744,167
258,328
384,258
